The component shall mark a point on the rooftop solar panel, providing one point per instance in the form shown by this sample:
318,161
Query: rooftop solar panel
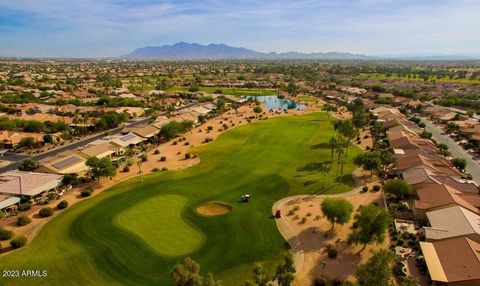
66,162
128,137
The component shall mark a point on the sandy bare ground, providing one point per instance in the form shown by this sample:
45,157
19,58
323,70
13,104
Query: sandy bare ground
213,209
175,160
309,242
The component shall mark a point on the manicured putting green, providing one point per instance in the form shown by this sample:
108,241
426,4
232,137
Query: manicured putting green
158,222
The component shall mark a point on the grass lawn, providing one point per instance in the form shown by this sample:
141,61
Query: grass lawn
99,241
308,98
166,233
231,91
432,78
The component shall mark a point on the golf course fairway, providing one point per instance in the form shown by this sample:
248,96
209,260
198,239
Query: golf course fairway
134,233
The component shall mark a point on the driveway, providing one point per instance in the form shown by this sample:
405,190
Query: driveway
473,167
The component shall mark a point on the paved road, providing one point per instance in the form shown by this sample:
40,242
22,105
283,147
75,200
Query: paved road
473,167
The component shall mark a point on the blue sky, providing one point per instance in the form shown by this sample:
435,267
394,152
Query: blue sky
100,28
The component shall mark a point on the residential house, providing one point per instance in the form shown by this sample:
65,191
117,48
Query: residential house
68,163
454,221
439,196
453,262
29,184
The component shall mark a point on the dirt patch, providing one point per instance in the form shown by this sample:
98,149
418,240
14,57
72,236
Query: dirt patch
213,209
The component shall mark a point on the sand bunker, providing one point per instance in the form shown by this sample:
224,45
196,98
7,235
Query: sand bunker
213,209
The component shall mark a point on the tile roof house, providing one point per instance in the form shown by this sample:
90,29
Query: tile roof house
27,183
10,139
438,196
420,176
454,221
101,150
406,142
144,131
453,262
433,162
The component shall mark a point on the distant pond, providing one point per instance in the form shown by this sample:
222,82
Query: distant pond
275,102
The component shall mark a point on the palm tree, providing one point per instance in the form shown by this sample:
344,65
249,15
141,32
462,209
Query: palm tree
333,142
139,164
325,168
342,162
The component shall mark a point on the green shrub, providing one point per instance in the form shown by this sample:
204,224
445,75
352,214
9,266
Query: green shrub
376,188
163,159
18,242
365,189
188,155
156,152
144,157
5,234
155,169
86,193
45,212
62,205
23,220
24,207
126,169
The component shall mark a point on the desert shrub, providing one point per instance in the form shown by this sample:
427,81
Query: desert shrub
156,152
18,242
24,207
164,169
365,189
186,143
376,188
319,282
296,217
331,251
5,234
188,155
303,220
126,169
86,193
210,128
45,212
62,205
309,214
163,159
23,220
296,208
337,282
155,169
174,143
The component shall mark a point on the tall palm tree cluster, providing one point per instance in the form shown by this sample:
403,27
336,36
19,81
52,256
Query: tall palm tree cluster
339,144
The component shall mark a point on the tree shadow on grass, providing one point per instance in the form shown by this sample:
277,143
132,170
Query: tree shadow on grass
310,182
346,180
323,145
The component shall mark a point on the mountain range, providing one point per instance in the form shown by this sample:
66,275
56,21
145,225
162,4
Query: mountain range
193,51
187,51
